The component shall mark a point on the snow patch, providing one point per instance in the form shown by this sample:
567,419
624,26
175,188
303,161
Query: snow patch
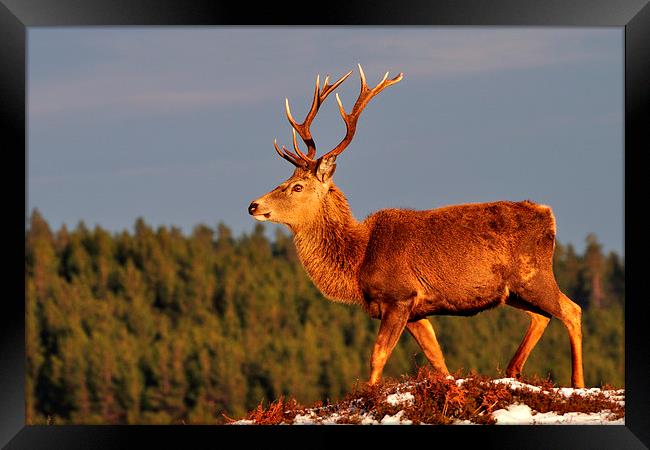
243,422
395,420
399,398
519,414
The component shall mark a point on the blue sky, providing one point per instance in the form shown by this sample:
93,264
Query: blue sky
176,124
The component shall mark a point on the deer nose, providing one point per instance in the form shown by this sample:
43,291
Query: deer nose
252,208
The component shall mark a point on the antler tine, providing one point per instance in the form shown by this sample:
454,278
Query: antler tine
362,75
286,154
328,89
304,157
320,94
365,95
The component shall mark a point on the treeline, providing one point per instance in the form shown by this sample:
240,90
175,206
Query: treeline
155,326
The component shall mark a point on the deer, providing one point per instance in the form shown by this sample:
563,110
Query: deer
403,265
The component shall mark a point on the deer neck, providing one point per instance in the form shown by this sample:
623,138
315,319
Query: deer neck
332,248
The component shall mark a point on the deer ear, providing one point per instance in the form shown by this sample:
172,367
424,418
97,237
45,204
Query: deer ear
325,169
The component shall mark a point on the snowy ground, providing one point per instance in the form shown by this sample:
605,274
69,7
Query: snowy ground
514,414
517,414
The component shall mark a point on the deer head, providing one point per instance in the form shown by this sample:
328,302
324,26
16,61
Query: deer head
299,200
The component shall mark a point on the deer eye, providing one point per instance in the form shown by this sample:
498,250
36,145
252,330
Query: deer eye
297,188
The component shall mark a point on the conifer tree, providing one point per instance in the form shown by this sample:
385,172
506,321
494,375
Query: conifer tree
594,266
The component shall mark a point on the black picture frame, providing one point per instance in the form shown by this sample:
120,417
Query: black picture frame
17,15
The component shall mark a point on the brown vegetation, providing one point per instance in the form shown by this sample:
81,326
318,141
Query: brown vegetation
441,400
280,411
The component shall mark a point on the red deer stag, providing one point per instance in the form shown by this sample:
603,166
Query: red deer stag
403,265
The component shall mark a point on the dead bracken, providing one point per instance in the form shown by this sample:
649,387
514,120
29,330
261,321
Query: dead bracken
432,398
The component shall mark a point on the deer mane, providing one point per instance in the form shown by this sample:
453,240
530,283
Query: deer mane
332,248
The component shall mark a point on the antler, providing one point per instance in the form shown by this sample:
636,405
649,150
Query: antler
365,95
320,94
299,159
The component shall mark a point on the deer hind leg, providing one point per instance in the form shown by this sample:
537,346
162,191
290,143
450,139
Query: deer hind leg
393,321
571,316
538,322
544,294
422,331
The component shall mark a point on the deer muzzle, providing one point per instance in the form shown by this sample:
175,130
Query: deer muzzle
254,210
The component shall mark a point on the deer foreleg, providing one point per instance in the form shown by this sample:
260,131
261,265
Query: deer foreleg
422,331
393,321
